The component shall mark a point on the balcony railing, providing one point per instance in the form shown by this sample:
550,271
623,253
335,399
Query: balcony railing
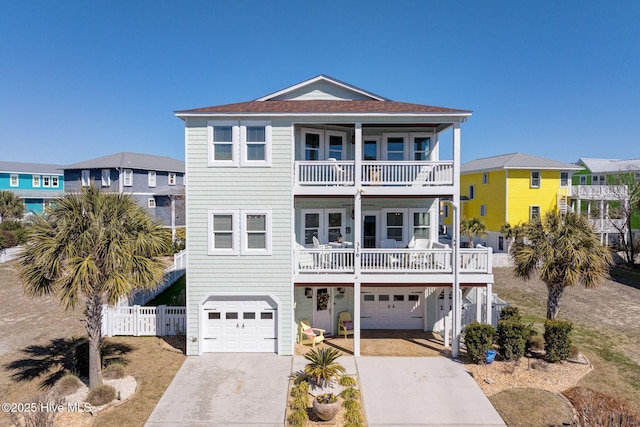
599,192
607,225
405,261
401,173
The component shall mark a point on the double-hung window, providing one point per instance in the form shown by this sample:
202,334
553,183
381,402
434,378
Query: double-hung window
223,143
237,231
172,178
128,178
535,179
54,181
421,221
395,226
534,212
46,181
472,192
485,178
483,210
564,179
151,178
106,177
256,233
256,143
85,177
36,180
14,180
223,230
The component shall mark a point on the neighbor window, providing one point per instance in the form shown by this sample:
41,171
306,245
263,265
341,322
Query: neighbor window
485,178
85,177
172,178
152,202
421,222
256,144
256,238
36,180
223,138
106,177
14,180
534,212
151,178
128,178
535,179
46,181
483,210
54,181
472,192
564,179
583,180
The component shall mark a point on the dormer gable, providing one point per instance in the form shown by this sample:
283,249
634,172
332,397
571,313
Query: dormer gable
322,88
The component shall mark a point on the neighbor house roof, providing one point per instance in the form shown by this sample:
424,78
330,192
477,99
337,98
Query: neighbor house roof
362,103
131,161
37,194
33,168
610,165
515,161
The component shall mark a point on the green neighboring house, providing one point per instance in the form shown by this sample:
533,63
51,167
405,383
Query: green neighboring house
598,190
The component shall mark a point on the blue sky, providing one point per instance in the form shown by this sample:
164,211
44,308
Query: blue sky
84,79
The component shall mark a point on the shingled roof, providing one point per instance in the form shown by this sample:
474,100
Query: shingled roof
515,161
131,161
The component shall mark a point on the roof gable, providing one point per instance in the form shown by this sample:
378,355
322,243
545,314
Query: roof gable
321,88
515,161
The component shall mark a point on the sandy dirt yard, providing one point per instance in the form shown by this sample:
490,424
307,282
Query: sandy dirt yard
614,306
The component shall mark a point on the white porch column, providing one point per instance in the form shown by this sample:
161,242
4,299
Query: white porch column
357,169
356,318
479,299
488,301
457,304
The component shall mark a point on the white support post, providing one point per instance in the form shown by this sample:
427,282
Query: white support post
356,318
457,304
488,302
479,298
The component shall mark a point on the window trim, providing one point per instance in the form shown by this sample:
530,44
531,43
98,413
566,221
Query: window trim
244,249
567,180
151,203
46,181
412,225
583,180
385,227
172,178
127,178
85,177
55,181
244,145
531,208
16,177
235,231
35,181
483,210
532,180
235,139
105,177
472,192
151,178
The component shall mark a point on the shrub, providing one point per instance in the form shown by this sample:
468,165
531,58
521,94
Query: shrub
22,234
353,416
300,389
298,418
10,239
101,395
300,402
347,381
322,365
595,408
512,337
351,404
510,313
10,225
478,338
350,393
557,340
68,384
113,371
535,342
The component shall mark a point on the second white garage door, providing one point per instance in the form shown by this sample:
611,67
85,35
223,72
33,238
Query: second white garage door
240,324
392,308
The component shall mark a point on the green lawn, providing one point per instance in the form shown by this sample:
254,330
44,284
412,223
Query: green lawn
173,295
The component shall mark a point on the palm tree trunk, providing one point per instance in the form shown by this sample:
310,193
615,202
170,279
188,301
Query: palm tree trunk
553,300
94,331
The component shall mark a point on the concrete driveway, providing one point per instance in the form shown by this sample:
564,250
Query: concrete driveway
233,389
226,389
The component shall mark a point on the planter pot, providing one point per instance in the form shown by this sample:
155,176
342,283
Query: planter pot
326,411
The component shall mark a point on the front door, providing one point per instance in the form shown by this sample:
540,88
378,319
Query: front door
322,308
370,230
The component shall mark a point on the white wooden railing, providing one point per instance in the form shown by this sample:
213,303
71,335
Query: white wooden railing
600,192
607,225
143,321
405,173
476,260
171,274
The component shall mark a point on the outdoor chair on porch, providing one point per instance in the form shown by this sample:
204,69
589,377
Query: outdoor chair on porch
308,335
345,324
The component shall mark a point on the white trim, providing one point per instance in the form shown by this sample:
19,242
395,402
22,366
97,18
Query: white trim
317,79
105,177
55,181
35,181
235,231
472,191
531,211
151,202
17,179
244,143
405,224
171,181
245,250
235,149
483,210
127,180
46,181
531,184
327,145
85,177
430,227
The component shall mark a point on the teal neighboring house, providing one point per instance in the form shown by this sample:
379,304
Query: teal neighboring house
35,183
599,188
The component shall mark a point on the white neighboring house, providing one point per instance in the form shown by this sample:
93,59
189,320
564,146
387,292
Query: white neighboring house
317,199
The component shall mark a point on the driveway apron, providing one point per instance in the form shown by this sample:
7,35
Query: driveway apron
422,391
226,389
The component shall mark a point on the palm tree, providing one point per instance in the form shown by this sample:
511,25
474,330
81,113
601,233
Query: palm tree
513,233
472,227
11,206
322,365
94,248
563,251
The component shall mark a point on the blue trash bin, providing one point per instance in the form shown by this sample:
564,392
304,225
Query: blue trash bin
489,356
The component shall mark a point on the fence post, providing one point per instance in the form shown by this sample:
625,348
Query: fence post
160,320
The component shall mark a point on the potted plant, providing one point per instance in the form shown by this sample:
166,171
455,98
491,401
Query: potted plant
326,406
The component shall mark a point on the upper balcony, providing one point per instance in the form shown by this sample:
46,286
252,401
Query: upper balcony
599,192
383,177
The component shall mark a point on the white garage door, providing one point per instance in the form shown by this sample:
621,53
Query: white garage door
392,308
240,324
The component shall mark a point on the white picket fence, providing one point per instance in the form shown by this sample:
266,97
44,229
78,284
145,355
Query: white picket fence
173,273
143,321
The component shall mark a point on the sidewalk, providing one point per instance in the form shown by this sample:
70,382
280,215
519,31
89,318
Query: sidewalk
10,254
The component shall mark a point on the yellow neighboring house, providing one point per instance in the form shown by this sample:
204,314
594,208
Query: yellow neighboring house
512,188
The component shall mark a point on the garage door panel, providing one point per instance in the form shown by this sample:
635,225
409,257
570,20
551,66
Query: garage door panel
399,308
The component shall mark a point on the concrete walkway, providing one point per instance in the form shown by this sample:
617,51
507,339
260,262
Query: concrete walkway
250,389
9,254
